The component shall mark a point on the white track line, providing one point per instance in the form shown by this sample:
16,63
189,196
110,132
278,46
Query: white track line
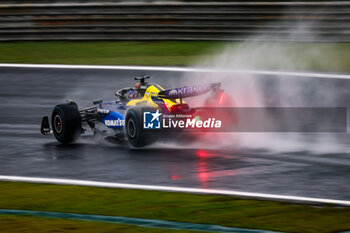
167,3
180,69
175,189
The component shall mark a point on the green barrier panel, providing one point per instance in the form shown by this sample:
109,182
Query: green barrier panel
135,221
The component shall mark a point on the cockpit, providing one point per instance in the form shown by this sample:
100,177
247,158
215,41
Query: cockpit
138,91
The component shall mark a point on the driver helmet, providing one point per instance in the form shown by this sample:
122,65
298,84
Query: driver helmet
132,94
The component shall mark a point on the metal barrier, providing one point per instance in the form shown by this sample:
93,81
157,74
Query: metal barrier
225,20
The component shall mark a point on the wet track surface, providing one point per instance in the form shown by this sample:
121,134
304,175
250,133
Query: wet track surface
313,165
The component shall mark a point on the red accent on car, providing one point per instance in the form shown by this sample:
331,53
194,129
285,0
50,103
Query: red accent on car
221,99
179,108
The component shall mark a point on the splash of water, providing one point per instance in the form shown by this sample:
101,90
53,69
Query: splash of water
248,90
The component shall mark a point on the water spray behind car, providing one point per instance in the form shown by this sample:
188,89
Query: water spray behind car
251,90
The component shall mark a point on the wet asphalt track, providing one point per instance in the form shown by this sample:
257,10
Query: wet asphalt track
319,168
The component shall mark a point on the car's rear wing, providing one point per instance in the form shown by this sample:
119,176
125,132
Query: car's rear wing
188,91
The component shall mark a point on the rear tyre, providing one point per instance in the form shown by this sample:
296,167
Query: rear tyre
66,123
136,136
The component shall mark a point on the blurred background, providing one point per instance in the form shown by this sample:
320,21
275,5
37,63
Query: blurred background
314,34
68,20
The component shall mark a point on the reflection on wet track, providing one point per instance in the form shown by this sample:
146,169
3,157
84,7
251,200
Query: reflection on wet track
27,94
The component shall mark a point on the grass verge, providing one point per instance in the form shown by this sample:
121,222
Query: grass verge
20,224
104,53
329,57
207,209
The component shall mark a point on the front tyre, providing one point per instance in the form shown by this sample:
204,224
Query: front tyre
66,123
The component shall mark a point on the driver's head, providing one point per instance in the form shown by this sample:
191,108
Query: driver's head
137,85
132,94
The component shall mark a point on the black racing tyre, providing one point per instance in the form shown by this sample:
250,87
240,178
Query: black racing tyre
136,136
66,123
73,103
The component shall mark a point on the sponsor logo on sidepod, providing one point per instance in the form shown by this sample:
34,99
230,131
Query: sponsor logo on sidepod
117,122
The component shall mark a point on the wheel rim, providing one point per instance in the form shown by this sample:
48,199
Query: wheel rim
58,124
131,128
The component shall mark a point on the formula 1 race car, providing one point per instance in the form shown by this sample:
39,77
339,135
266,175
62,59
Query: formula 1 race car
122,118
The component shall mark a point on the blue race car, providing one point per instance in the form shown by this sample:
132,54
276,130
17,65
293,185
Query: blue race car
122,118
